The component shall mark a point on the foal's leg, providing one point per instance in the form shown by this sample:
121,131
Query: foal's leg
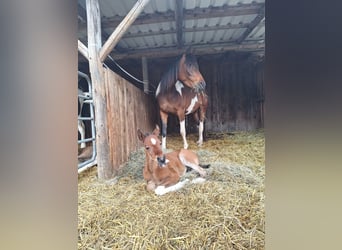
163,117
190,159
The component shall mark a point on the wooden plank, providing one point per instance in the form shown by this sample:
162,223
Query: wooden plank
115,37
83,49
104,166
179,22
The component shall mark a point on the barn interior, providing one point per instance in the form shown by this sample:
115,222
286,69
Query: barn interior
228,39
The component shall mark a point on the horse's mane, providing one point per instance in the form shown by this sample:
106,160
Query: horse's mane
171,76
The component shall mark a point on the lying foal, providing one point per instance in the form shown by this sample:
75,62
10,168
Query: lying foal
163,172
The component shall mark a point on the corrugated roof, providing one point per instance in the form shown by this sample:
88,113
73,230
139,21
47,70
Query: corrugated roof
208,26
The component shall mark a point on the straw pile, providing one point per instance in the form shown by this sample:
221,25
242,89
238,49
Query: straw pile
225,212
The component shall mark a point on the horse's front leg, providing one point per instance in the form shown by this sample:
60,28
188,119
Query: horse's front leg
200,133
183,133
163,117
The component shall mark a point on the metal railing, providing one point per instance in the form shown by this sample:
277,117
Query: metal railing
88,100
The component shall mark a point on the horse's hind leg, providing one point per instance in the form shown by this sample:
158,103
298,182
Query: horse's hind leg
190,159
163,117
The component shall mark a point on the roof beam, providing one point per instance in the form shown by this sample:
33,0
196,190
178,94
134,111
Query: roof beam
197,49
122,28
191,14
179,22
193,29
83,49
252,25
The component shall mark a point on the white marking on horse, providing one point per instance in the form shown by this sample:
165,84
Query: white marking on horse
158,90
153,141
192,105
183,133
179,87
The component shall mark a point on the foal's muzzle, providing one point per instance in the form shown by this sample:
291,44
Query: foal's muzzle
161,161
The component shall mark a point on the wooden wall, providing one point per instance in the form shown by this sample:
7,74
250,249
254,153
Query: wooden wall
128,108
234,86
235,90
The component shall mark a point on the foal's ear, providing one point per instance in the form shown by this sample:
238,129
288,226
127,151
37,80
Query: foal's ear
156,131
141,135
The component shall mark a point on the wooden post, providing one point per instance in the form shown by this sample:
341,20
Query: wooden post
121,28
104,166
145,73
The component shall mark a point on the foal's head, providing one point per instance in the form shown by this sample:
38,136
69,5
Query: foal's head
152,143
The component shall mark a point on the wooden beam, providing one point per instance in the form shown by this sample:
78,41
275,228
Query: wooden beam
179,22
252,25
198,49
83,49
104,167
122,28
193,14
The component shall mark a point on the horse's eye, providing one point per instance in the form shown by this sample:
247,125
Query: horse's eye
147,147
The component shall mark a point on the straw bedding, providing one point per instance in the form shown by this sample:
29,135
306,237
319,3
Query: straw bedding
225,212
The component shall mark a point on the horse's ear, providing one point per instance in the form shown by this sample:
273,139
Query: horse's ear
141,135
156,131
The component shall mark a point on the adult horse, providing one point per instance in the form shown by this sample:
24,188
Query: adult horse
181,92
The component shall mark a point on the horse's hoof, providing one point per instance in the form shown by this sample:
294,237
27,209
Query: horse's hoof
199,143
186,146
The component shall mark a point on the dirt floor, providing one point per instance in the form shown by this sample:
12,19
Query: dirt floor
225,212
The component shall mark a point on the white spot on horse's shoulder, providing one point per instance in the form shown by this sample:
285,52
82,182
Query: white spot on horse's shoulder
179,87
158,90
191,106
154,141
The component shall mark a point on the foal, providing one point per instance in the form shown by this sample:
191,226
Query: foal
163,172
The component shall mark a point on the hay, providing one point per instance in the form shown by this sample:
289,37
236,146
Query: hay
225,212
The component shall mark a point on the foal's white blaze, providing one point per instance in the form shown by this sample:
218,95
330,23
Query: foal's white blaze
183,133
192,104
153,141
179,87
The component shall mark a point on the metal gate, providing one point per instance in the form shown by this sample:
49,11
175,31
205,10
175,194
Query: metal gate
88,100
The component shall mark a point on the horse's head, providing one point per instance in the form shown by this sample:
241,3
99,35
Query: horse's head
189,73
152,143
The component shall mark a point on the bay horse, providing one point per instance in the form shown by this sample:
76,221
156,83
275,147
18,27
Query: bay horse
162,172
181,92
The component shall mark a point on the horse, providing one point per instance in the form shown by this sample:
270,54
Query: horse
162,172
181,91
